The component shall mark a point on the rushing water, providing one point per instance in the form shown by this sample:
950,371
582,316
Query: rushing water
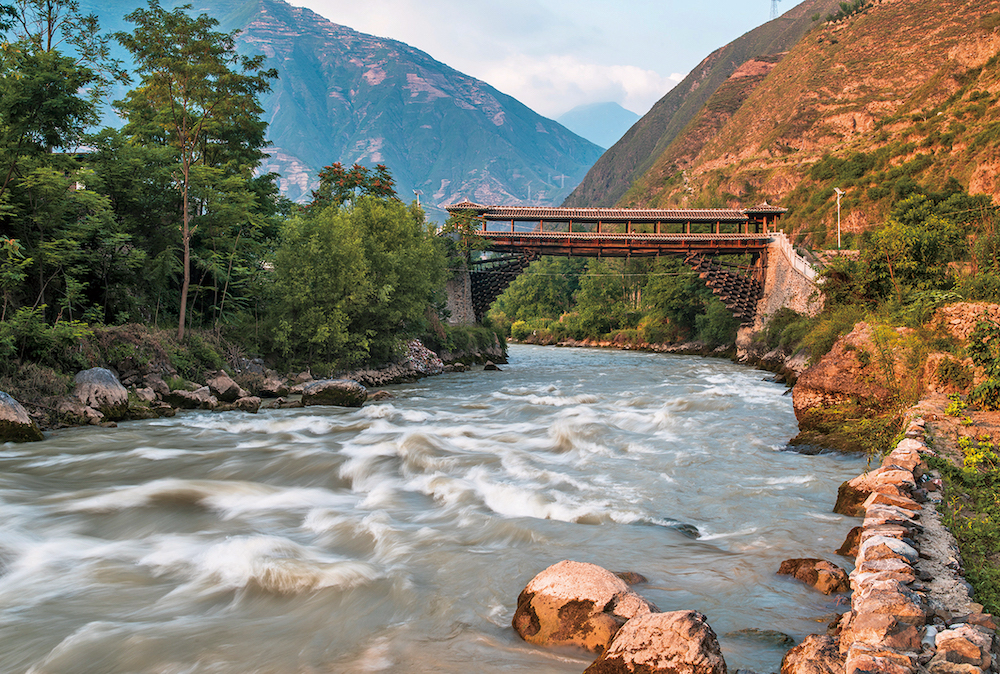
396,537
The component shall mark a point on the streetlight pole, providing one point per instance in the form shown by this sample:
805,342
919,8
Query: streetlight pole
839,194
418,193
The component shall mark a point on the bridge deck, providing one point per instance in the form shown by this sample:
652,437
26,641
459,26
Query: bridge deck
613,244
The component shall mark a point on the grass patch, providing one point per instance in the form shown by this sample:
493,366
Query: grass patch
971,511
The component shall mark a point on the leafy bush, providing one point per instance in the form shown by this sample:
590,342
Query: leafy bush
831,324
953,373
27,337
984,349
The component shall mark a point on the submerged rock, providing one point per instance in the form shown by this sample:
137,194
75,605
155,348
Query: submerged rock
576,604
15,424
679,642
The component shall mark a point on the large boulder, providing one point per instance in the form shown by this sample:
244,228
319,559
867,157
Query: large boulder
100,389
818,573
576,604
817,654
339,392
224,388
272,387
680,642
15,424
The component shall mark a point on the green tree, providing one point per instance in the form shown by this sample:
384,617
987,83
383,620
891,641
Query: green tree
338,185
544,290
195,89
352,282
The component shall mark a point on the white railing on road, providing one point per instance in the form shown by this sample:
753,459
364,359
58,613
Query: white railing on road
798,263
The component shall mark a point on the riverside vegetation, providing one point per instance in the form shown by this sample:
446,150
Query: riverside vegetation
160,238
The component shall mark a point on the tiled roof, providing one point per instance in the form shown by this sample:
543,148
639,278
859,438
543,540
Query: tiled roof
465,204
530,213
765,207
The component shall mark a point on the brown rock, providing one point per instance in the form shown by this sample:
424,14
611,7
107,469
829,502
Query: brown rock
224,388
883,547
863,659
818,573
817,654
680,642
575,604
881,630
248,404
272,387
338,392
851,497
891,500
850,546
890,597
965,644
155,382
631,577
201,398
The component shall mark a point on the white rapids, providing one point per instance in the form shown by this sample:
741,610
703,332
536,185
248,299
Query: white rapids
396,537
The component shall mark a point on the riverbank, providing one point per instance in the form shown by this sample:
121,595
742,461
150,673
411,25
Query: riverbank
146,373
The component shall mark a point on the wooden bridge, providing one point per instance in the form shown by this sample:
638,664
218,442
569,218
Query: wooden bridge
520,234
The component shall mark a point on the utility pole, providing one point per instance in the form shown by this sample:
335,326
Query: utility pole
839,194
774,9
417,193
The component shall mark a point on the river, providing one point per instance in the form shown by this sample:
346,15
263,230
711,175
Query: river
396,537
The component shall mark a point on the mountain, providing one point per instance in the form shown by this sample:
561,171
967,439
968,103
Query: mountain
901,93
600,123
350,97
633,155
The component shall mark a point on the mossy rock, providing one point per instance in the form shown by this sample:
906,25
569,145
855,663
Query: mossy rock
15,424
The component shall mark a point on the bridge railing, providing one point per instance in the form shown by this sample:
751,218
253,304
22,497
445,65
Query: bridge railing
797,262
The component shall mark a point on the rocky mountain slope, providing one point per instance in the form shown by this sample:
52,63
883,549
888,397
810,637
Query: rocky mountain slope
900,93
350,97
636,152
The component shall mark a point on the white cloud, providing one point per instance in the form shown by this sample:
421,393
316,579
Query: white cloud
555,84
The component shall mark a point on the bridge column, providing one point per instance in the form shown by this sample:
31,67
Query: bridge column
459,299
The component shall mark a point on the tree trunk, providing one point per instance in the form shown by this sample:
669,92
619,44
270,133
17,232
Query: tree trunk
186,242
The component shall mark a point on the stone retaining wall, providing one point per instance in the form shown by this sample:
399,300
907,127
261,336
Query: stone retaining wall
911,611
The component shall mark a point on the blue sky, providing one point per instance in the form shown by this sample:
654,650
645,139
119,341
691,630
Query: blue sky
553,55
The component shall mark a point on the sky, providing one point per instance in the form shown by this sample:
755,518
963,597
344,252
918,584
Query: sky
553,55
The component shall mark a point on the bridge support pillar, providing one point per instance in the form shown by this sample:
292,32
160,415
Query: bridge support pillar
459,303
788,282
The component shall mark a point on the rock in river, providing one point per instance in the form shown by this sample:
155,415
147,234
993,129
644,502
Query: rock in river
340,392
15,424
679,642
576,604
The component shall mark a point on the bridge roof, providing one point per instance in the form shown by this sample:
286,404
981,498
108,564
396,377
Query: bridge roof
536,213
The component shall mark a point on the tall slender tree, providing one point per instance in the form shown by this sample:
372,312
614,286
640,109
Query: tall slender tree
195,90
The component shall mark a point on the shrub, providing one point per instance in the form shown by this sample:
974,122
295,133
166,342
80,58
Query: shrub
833,323
953,373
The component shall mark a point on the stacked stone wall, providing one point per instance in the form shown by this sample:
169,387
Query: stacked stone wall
459,290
